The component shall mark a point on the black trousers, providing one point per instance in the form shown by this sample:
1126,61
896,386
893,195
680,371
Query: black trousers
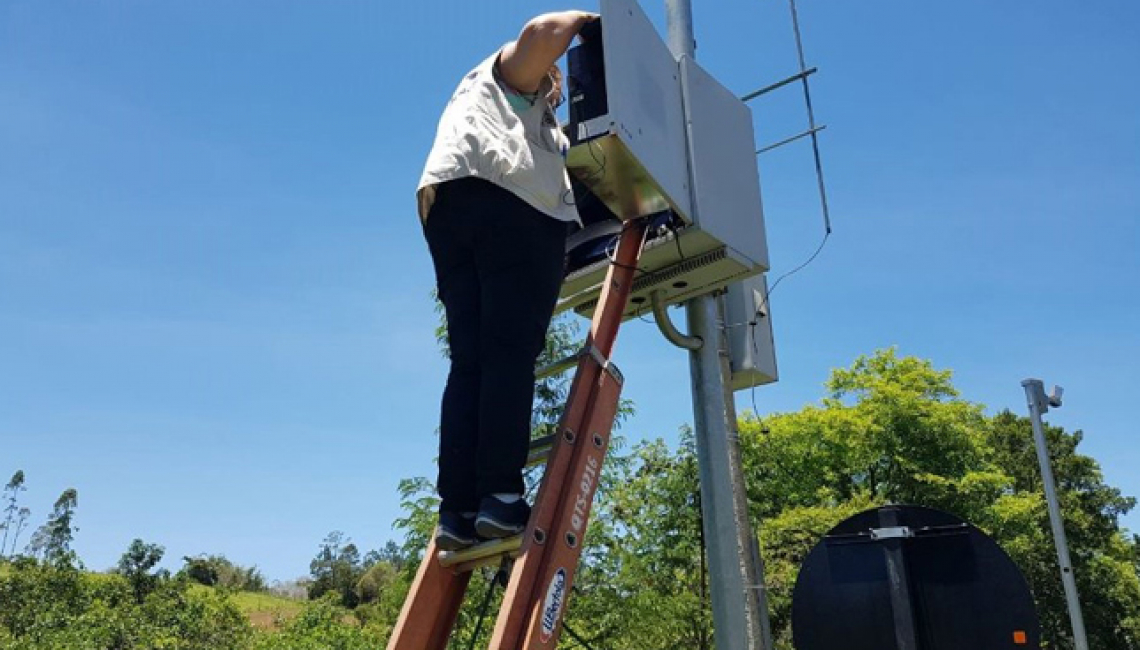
498,265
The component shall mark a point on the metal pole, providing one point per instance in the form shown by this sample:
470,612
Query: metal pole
748,551
718,514
709,418
898,580
1039,403
679,19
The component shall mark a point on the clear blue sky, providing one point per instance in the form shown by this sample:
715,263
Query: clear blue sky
214,311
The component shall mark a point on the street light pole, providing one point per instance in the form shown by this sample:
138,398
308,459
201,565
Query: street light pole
1039,404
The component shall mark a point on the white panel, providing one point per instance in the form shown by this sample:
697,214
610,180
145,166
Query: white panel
644,92
726,179
752,351
663,118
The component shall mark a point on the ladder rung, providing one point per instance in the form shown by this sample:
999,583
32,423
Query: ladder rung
539,450
566,363
481,554
558,367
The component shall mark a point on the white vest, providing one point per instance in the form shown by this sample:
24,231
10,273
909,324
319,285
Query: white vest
480,134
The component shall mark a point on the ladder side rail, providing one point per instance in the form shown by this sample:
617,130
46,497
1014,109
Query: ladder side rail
618,285
431,607
522,590
525,573
560,563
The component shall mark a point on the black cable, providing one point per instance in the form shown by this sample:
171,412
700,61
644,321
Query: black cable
599,172
574,635
762,307
483,610
794,271
676,238
611,250
752,389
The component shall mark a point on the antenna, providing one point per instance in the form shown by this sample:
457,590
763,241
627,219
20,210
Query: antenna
812,130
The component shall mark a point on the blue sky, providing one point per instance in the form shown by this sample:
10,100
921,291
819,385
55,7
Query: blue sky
214,312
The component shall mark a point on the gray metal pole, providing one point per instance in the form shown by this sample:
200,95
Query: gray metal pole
1039,403
718,515
748,551
709,419
679,20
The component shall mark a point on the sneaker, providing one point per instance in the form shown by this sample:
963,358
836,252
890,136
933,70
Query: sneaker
455,531
497,519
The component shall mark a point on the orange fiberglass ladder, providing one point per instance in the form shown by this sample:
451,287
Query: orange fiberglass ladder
547,552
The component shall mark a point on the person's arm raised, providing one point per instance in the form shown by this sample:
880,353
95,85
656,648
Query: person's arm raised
524,63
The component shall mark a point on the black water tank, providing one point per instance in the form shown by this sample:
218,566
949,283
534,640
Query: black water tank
911,578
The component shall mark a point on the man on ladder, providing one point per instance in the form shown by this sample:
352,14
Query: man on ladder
495,201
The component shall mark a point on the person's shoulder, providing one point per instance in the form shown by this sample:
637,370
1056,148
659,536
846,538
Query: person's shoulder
491,64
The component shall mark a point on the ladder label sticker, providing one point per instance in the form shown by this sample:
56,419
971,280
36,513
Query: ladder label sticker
585,492
552,606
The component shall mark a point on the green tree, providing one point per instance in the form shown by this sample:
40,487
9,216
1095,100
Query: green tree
52,541
45,606
219,571
894,429
136,564
393,554
12,510
336,569
21,524
891,429
375,581
642,580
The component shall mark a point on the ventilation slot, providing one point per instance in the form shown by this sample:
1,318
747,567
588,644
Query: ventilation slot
677,270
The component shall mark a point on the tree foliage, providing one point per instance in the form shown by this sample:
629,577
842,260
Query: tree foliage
890,429
895,430
336,569
136,564
52,606
52,541
219,571
14,516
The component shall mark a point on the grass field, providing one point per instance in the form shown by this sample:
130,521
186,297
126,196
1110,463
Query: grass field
265,610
